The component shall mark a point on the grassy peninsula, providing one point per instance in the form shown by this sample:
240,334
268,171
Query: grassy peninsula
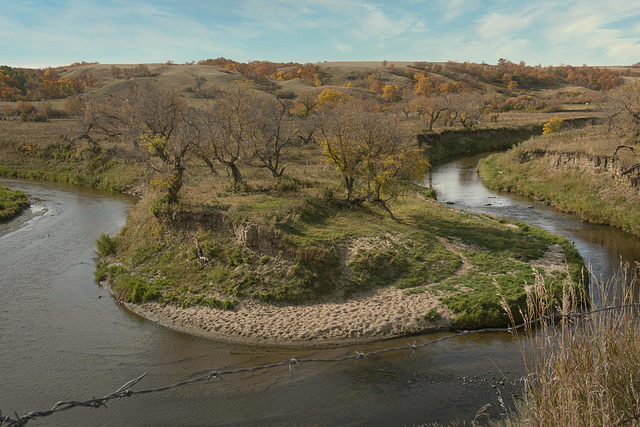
291,244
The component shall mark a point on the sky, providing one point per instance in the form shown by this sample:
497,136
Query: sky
41,33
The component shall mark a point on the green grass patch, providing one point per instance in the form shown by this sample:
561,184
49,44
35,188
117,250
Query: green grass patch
12,202
106,245
432,315
417,253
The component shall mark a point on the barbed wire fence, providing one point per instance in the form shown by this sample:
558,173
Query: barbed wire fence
126,389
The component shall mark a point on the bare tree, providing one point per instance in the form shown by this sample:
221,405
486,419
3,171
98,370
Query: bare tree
632,167
97,117
229,124
306,108
405,106
168,129
468,107
274,131
624,111
430,108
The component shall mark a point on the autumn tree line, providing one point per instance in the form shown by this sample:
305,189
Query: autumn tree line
21,84
525,76
368,139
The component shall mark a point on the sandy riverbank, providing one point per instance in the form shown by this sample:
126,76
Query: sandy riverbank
377,315
19,220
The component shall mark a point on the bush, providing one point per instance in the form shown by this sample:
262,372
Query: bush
432,315
553,125
429,193
107,245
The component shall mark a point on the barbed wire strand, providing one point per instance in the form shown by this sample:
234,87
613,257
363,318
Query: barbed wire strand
126,389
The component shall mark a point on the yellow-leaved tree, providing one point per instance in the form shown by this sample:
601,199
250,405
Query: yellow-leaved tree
373,151
331,97
553,125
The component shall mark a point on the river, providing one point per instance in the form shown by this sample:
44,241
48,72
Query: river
63,337
602,247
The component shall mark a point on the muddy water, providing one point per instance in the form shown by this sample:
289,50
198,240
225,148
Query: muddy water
63,337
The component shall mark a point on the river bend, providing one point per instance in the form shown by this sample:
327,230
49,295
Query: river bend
64,337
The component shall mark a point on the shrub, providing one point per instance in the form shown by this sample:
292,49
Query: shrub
141,291
429,193
432,315
553,125
107,245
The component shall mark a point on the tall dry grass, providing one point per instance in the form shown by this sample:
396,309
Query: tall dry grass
584,370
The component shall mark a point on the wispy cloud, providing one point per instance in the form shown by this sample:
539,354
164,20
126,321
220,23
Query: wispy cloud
374,23
500,24
545,31
455,8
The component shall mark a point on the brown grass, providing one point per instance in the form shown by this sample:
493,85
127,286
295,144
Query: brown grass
592,140
584,370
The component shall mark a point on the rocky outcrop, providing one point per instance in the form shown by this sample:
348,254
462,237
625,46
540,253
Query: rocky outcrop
248,234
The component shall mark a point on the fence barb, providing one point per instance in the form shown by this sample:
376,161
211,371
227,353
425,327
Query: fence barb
126,389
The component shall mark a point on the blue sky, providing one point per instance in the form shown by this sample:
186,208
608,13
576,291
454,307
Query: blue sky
38,33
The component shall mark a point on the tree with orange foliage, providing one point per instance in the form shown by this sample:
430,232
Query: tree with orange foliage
430,107
391,93
424,86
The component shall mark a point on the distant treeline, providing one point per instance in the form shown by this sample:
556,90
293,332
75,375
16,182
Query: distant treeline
258,71
526,76
25,84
